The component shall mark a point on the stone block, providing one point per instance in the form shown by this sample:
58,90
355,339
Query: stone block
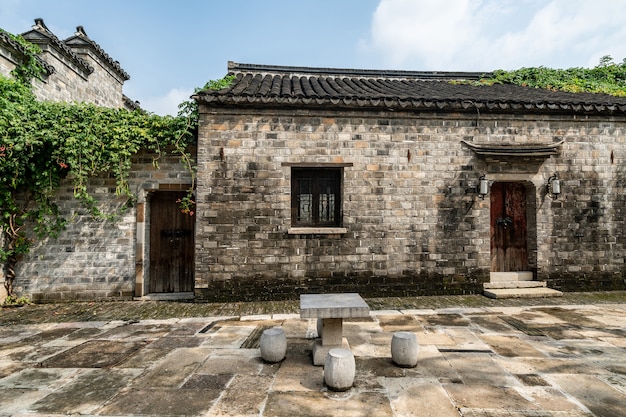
404,349
339,369
273,345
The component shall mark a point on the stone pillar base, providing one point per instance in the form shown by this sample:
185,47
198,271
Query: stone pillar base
320,352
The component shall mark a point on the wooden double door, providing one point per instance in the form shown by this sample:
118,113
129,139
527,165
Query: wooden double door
509,236
171,245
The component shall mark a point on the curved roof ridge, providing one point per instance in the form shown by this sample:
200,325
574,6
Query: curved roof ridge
39,29
365,73
81,37
7,39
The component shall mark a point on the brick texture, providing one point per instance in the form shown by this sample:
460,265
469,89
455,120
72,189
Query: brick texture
414,224
98,258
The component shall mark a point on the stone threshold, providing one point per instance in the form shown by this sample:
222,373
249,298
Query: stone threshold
533,292
168,296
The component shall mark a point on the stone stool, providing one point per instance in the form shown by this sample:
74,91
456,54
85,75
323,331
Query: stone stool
339,369
404,349
273,345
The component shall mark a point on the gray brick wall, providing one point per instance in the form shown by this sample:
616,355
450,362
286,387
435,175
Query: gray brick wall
7,60
92,258
412,227
70,84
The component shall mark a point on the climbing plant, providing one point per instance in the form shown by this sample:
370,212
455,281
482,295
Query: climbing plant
607,77
42,143
30,67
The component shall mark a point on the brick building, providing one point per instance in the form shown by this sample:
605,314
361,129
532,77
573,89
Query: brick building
394,182
320,180
76,69
90,259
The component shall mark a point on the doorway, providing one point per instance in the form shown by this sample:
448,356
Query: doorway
509,235
171,245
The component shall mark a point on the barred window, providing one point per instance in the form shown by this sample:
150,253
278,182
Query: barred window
316,197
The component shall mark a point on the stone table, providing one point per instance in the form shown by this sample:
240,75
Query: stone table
331,309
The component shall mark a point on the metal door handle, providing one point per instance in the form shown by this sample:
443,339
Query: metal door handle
504,222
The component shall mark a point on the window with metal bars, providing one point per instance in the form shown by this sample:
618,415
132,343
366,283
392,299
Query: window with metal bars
316,197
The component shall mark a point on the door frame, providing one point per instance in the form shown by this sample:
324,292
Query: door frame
142,245
508,233
532,199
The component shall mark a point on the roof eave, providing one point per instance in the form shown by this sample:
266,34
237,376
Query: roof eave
19,50
215,99
80,39
40,36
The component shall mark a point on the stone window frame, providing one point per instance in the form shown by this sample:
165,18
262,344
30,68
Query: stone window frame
303,228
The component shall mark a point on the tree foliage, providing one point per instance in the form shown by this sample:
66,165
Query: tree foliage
607,77
43,142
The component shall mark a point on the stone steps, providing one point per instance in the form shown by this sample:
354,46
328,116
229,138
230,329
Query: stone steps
536,292
517,285
514,284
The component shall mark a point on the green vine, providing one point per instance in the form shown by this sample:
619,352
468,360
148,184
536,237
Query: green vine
607,77
41,143
31,67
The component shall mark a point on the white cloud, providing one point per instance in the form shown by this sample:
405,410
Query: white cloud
167,104
478,35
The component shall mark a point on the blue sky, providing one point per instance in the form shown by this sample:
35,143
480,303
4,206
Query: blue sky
169,47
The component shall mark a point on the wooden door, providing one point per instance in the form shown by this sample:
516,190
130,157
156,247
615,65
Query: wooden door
171,245
508,227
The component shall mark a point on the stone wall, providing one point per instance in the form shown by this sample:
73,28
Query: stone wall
79,71
70,84
414,224
7,60
98,258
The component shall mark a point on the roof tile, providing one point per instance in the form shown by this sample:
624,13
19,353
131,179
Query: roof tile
40,34
81,38
300,86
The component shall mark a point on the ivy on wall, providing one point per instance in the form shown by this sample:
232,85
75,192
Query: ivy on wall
43,142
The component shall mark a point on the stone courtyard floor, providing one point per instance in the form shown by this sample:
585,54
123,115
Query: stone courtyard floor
560,357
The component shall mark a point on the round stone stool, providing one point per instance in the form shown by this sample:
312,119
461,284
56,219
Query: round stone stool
339,369
404,349
273,345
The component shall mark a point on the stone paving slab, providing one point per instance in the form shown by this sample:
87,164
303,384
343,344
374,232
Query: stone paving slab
502,361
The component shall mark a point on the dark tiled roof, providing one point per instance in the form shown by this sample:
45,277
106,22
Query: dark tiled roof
80,38
40,34
130,104
7,40
516,149
423,91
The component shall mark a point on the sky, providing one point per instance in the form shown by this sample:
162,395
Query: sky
171,47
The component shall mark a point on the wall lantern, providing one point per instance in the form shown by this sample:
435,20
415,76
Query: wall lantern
554,186
483,186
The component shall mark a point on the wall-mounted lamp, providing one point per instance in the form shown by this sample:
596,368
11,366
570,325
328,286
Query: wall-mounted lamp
554,186
483,186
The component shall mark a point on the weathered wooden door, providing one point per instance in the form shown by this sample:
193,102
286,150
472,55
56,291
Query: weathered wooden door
171,245
508,227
